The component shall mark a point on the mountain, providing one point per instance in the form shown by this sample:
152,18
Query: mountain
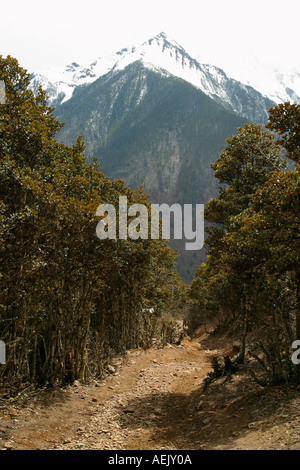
278,83
155,116
60,83
169,58
145,127
152,129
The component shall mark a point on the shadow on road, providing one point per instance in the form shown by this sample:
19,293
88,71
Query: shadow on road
227,410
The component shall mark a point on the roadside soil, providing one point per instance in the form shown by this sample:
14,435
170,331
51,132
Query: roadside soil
156,400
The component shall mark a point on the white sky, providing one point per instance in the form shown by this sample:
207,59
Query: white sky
54,33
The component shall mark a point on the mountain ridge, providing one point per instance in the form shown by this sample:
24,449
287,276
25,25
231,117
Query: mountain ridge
167,57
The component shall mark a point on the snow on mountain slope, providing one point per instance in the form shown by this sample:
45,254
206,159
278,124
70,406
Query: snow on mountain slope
163,54
157,53
166,56
60,83
277,83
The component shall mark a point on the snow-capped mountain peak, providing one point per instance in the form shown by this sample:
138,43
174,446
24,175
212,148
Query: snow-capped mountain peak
160,53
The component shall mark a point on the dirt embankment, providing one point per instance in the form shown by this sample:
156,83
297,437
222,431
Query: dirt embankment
155,400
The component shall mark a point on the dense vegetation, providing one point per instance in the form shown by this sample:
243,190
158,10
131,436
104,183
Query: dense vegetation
251,281
69,301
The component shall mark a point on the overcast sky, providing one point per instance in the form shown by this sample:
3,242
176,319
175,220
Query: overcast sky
54,33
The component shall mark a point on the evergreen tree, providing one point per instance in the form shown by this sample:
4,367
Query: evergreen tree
285,120
252,273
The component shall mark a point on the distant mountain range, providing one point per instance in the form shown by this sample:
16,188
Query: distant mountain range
153,115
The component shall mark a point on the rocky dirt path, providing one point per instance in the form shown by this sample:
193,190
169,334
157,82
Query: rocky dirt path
144,404
155,400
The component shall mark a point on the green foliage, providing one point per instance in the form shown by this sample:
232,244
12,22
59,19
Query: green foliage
68,300
243,167
285,120
251,281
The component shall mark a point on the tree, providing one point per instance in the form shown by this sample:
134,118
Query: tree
244,167
285,120
266,246
253,263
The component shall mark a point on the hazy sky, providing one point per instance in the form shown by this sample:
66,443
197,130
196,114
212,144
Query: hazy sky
45,34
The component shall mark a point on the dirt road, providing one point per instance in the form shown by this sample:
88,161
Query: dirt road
143,405
155,400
